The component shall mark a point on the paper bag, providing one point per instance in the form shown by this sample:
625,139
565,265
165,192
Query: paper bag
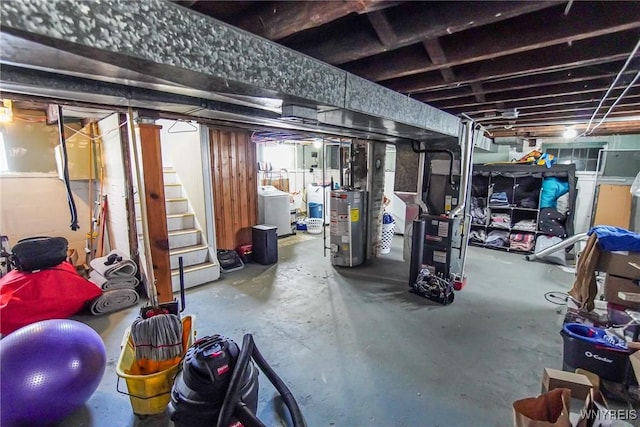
595,413
550,409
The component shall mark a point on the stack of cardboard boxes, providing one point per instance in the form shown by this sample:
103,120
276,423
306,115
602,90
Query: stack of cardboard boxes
621,290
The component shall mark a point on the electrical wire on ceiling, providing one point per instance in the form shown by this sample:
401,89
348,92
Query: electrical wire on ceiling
624,67
618,99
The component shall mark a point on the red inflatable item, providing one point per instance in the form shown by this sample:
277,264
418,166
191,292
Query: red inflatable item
54,293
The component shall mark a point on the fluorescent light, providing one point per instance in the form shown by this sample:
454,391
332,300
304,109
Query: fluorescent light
570,132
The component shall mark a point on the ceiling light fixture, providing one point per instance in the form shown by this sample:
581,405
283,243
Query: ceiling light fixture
6,111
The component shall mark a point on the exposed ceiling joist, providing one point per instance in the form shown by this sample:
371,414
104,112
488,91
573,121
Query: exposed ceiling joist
545,28
528,82
434,49
382,27
558,102
632,109
555,58
597,88
277,20
554,130
424,22
552,61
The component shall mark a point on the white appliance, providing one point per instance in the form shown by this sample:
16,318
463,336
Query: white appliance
316,195
274,209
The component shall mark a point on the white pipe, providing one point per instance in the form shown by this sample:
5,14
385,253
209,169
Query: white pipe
618,99
626,64
558,246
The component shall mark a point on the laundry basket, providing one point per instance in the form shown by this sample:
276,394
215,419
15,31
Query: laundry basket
314,225
388,227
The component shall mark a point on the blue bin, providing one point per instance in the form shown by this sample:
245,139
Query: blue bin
315,210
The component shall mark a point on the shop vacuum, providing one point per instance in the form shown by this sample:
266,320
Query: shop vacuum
218,385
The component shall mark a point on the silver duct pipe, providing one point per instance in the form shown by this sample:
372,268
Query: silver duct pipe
465,166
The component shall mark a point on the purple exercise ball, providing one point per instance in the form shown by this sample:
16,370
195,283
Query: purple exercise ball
47,370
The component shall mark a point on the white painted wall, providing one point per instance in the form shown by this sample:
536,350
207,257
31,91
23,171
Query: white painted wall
584,201
182,152
113,183
33,205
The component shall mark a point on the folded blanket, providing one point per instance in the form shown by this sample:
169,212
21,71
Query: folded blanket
521,241
114,300
498,238
526,225
499,199
501,220
115,264
105,284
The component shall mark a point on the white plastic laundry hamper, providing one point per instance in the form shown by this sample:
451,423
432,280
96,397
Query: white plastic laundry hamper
314,225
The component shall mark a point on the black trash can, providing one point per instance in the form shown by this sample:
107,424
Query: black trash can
584,347
265,244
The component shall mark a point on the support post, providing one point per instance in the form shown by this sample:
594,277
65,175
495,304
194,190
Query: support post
156,210
132,227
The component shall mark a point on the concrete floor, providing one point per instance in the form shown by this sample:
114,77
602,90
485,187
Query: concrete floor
356,348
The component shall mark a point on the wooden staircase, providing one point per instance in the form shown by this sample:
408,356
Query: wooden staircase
186,239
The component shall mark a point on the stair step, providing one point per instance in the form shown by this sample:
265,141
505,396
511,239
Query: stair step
170,177
184,238
191,255
180,221
175,222
172,206
195,275
172,191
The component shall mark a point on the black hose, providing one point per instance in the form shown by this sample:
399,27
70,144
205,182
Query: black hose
231,398
246,417
65,171
232,404
287,396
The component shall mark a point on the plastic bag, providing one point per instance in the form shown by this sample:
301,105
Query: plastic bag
635,187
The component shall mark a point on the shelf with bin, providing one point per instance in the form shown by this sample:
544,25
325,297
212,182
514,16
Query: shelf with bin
522,184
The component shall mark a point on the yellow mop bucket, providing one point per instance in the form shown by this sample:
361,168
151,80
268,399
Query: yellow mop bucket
150,394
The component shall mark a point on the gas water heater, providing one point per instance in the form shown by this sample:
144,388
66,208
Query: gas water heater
348,227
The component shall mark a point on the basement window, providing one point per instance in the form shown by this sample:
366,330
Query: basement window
584,157
281,156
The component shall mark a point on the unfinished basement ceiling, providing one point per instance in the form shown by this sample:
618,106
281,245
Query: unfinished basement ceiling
520,68
156,55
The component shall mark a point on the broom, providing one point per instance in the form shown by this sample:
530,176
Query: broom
157,333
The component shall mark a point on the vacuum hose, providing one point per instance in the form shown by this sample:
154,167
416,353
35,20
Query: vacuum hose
232,404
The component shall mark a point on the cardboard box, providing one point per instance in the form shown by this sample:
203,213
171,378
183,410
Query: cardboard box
579,384
613,285
72,256
621,264
635,362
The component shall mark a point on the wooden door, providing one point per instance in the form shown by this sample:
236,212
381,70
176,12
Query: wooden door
613,206
235,191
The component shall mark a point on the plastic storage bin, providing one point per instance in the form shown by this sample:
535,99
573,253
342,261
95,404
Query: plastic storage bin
150,394
314,225
586,347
